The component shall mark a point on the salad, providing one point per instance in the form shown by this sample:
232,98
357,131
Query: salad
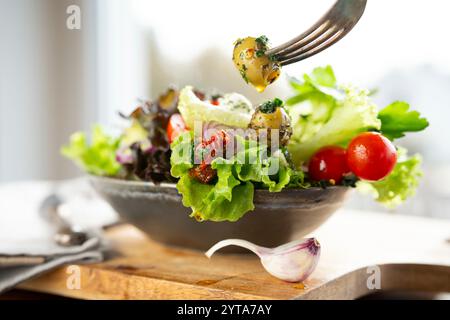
219,148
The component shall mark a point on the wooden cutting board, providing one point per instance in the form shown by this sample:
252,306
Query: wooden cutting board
411,253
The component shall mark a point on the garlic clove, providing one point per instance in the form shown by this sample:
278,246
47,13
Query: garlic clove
292,262
235,242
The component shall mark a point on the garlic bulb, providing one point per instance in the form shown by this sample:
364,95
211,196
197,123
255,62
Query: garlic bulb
292,262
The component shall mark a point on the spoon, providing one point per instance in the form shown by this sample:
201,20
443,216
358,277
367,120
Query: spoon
66,235
292,262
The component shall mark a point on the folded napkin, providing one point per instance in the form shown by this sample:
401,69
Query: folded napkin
27,246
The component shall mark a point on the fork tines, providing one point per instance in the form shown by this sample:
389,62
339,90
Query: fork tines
332,27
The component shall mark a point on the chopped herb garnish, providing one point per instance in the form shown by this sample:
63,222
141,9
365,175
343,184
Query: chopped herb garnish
270,106
273,58
243,73
263,44
350,181
260,53
278,102
241,106
263,41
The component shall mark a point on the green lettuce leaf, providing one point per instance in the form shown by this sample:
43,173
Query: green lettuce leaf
396,119
313,102
231,196
181,159
271,172
235,110
399,185
297,180
321,76
326,120
206,204
98,157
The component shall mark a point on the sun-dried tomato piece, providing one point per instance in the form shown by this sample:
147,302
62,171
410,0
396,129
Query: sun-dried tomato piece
203,173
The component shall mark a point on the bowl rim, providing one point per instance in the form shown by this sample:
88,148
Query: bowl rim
145,184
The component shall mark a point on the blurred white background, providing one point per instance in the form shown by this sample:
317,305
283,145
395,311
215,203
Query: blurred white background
54,81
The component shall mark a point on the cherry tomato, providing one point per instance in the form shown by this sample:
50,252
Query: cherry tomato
329,163
175,126
371,156
215,102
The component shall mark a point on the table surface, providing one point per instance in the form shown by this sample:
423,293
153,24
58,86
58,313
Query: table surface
411,254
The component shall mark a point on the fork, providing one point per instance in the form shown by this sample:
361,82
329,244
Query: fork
331,28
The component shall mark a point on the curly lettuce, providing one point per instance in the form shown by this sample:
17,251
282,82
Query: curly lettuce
97,157
234,110
325,114
397,186
231,196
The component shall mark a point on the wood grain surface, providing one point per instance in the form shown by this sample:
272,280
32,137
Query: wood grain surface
411,253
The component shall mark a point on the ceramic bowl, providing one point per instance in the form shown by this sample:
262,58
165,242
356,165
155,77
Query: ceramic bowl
278,217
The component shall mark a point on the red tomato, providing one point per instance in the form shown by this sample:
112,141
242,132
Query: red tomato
371,156
215,102
175,126
329,163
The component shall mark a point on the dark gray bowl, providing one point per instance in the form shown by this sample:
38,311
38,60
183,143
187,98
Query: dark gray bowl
278,217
